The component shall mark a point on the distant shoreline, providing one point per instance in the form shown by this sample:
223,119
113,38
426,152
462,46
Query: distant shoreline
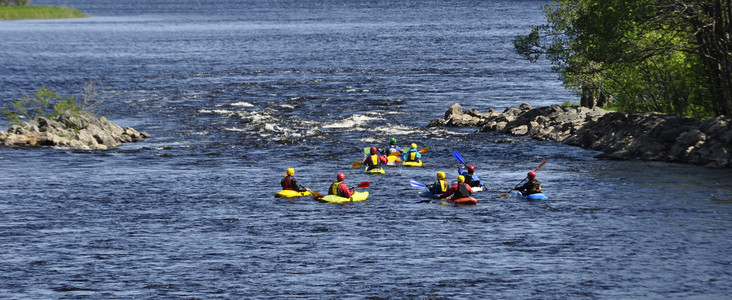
12,12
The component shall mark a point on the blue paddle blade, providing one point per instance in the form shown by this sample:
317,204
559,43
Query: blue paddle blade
457,157
417,184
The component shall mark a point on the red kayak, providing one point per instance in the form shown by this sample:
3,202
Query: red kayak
466,201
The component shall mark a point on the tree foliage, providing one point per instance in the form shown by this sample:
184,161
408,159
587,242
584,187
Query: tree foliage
44,103
671,56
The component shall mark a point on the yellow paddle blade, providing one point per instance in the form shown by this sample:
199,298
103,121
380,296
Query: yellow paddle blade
357,164
423,150
391,158
395,153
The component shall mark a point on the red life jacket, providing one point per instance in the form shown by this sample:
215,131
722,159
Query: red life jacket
287,183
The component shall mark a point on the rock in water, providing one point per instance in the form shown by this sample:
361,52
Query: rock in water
70,130
646,136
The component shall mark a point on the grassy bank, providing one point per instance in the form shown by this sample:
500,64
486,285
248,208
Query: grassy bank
37,12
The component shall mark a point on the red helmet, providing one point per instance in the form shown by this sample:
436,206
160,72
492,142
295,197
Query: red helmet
531,175
373,150
341,177
471,168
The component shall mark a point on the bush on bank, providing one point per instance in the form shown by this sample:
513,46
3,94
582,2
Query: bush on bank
37,12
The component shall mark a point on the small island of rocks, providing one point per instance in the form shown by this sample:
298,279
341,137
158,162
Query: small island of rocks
70,130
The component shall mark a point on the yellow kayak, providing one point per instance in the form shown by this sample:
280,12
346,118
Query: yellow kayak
375,171
291,194
413,163
357,196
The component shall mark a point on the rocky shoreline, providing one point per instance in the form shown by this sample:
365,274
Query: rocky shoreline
70,130
622,136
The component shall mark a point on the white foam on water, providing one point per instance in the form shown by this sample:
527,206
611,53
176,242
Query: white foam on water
353,121
241,104
216,111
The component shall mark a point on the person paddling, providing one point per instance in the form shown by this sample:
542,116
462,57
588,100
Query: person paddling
375,160
470,178
391,148
290,183
458,190
531,187
440,186
339,188
412,154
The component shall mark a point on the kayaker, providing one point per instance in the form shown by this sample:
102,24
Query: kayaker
458,190
339,188
412,154
440,186
391,148
290,183
375,160
531,187
470,178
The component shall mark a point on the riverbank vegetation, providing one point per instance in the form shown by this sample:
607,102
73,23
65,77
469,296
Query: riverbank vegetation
37,12
671,56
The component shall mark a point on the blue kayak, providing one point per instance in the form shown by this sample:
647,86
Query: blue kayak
427,194
538,196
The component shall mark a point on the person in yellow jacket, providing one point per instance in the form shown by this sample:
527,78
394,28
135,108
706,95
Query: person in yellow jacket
412,154
440,186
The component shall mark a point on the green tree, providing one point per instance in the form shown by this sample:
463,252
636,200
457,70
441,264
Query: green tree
44,103
650,55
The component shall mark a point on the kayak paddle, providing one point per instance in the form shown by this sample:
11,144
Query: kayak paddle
457,157
423,150
364,184
357,164
522,180
417,184
316,195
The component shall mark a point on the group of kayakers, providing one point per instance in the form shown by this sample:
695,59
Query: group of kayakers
467,181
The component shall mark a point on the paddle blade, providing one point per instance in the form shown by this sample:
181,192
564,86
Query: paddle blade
391,158
458,157
364,184
417,184
395,153
316,195
423,150
540,165
356,164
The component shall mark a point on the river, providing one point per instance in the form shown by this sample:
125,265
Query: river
235,92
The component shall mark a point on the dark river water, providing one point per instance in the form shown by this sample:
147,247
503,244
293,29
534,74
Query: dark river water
235,92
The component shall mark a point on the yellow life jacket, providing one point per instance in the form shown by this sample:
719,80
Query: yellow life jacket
334,188
374,160
443,186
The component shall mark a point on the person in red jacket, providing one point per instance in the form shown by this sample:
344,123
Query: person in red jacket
290,183
375,160
458,190
339,188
